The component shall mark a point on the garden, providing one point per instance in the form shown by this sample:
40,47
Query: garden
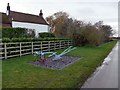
18,73
20,69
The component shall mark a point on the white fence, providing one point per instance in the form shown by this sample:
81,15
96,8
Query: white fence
23,48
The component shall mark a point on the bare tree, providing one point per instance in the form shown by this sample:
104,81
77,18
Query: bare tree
81,33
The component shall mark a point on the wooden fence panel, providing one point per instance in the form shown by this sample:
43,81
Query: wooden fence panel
8,50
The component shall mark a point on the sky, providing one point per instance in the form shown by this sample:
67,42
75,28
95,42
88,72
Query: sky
85,10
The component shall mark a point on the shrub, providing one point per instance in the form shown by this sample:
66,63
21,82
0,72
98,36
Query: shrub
17,33
46,35
30,39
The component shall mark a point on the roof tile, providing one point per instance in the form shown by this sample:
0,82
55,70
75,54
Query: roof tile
24,17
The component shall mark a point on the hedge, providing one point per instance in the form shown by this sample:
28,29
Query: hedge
46,35
17,33
31,39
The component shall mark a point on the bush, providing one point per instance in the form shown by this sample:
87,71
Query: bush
17,33
30,39
81,32
46,35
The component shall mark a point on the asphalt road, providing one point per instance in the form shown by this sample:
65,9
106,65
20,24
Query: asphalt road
105,76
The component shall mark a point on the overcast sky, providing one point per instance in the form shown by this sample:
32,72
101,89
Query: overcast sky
85,10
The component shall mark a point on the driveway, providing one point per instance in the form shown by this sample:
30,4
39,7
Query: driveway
106,76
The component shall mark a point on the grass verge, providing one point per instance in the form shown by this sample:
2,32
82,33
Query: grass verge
17,73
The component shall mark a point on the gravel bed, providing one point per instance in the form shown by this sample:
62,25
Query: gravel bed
56,64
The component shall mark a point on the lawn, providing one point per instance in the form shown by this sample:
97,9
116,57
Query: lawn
0,74
17,73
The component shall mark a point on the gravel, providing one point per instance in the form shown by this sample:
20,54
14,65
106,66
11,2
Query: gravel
56,64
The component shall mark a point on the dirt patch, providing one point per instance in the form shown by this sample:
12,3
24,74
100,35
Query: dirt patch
56,64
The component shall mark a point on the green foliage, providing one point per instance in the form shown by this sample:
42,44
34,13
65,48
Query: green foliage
31,39
17,33
58,23
18,73
46,35
0,32
6,40
82,33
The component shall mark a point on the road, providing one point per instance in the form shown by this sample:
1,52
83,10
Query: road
105,76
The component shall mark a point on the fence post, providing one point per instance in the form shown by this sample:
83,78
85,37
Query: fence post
20,48
32,46
63,44
71,42
5,47
41,45
60,44
54,45
68,43
49,46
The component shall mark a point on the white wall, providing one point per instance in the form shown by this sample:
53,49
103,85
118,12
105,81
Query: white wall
38,27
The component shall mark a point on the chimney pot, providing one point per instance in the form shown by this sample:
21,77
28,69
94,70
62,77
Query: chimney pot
41,14
8,9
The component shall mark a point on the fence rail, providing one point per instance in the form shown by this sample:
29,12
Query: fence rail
9,50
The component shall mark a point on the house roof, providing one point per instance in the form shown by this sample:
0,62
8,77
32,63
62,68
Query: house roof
4,19
29,18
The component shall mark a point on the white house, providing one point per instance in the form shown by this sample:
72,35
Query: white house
30,21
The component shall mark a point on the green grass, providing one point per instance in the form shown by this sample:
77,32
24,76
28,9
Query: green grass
17,73
0,74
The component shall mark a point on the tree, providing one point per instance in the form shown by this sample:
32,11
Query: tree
107,32
93,35
81,33
58,23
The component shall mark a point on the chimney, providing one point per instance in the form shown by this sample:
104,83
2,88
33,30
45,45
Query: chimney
40,14
8,9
